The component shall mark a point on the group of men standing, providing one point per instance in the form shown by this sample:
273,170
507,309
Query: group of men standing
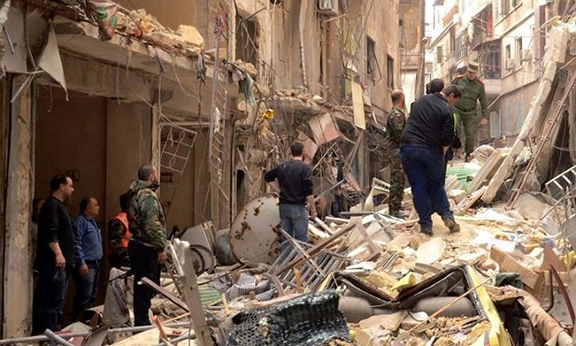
421,145
137,236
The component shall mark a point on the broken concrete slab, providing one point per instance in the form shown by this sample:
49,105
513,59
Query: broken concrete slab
551,259
389,322
507,263
488,169
191,35
431,251
324,128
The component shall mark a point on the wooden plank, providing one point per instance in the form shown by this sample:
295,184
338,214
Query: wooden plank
316,249
366,236
151,284
302,252
469,202
192,294
487,170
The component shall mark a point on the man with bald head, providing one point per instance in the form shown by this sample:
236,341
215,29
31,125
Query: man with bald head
395,123
147,248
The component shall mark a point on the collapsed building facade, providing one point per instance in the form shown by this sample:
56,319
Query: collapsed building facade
211,94
508,39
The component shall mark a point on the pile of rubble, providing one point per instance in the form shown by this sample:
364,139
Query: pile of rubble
370,279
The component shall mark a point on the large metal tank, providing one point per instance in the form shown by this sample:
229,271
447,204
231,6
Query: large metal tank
255,231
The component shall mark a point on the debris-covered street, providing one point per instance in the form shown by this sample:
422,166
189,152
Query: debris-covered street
288,172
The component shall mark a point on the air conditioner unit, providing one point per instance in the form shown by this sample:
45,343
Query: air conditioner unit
510,64
328,7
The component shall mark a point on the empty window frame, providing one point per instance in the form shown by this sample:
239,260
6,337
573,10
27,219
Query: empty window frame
390,71
247,41
370,57
519,50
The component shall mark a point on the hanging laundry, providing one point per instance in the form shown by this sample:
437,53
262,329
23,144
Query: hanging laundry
104,11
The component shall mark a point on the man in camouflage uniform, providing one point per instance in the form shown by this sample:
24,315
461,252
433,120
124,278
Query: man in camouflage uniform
147,248
472,91
395,123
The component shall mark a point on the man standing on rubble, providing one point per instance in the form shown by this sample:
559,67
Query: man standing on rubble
88,252
55,252
426,138
472,91
435,86
296,190
395,123
147,248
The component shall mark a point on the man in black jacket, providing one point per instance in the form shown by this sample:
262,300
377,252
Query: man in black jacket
425,140
55,252
435,86
296,190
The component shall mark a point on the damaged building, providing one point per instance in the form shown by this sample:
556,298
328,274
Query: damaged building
94,90
213,93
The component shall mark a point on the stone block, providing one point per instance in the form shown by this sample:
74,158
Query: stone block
550,71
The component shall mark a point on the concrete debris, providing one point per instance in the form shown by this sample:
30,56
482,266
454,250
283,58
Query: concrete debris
364,276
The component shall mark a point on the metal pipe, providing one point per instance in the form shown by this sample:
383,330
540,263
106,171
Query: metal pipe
50,334
42,338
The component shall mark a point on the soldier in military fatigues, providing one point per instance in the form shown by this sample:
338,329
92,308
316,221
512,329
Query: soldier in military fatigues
147,246
395,123
472,92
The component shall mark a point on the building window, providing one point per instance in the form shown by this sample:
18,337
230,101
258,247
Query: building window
519,50
519,117
390,70
370,57
504,7
495,124
461,46
401,33
452,41
507,121
490,62
439,54
247,41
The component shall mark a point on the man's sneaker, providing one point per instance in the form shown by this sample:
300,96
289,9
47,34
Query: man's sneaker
452,225
426,230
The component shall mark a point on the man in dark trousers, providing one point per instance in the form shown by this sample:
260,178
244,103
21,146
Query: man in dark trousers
119,235
88,253
296,190
55,252
426,138
147,248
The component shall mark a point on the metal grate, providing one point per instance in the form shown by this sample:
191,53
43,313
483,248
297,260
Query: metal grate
311,319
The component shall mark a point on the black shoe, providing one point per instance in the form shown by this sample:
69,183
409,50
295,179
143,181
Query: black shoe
426,230
452,225
399,215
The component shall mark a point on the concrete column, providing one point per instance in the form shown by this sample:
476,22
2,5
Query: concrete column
18,250
128,147
4,124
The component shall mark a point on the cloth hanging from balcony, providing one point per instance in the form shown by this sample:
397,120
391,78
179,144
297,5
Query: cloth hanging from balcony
104,11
